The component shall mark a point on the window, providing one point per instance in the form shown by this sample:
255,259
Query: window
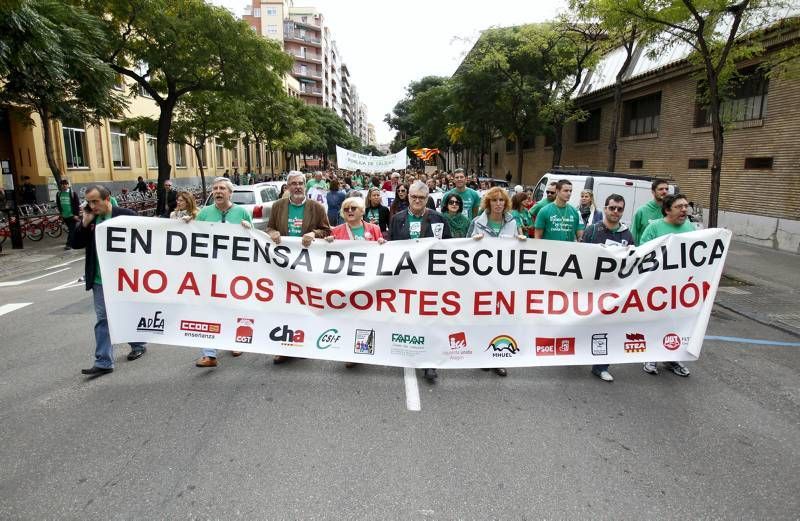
698,164
528,142
272,11
120,156
235,155
589,129
496,159
142,69
549,138
642,115
511,145
758,163
747,101
152,151
637,163
203,157
180,156
272,29
75,145
220,155
257,12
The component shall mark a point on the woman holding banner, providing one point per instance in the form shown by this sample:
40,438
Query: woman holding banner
495,221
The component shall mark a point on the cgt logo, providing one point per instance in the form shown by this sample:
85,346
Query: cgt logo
154,324
244,330
329,339
503,346
555,346
635,343
288,337
193,326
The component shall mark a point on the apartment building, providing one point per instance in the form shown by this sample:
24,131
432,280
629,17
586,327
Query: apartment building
319,69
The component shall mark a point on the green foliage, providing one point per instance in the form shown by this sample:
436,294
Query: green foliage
422,116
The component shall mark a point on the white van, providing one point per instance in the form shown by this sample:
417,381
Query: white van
635,189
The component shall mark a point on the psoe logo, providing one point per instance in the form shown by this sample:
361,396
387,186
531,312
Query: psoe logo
503,346
635,343
328,339
288,337
364,343
154,324
672,341
244,330
555,346
201,329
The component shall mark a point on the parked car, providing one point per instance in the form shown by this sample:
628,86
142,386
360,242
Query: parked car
257,199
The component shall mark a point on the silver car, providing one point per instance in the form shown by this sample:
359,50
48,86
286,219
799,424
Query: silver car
257,199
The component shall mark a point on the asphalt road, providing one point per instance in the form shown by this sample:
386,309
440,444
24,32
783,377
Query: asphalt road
162,439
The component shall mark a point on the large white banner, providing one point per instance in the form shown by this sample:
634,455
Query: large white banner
427,303
349,160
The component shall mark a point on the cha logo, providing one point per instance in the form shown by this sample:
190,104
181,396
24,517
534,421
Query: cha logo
288,337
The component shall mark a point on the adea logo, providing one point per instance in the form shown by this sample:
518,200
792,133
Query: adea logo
328,339
555,346
458,341
635,343
503,346
154,324
288,337
672,341
244,330
411,340
364,343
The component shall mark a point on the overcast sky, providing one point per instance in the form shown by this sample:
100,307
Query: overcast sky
386,45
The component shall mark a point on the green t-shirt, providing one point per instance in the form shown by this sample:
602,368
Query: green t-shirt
559,224
645,215
661,227
358,233
114,201
296,219
235,214
97,278
65,198
358,181
534,211
321,184
373,216
495,226
414,226
471,199
523,218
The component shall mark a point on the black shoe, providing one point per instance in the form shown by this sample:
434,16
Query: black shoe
430,374
500,371
67,248
135,355
97,371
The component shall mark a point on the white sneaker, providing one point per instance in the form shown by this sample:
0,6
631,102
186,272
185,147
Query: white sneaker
650,367
605,376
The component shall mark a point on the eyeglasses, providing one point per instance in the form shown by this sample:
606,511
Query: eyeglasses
417,197
615,208
548,192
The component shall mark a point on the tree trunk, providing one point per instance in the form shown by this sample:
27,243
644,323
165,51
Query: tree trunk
271,160
716,164
247,154
520,159
162,148
47,131
202,172
558,144
305,160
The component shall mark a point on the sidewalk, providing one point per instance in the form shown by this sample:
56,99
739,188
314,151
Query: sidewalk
760,283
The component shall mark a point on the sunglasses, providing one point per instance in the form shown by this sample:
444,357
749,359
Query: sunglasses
452,202
351,208
615,208
548,192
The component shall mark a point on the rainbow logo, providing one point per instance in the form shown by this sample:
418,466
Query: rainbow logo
503,343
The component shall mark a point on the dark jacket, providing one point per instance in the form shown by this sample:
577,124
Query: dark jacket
314,218
84,238
170,202
75,203
383,217
597,233
398,229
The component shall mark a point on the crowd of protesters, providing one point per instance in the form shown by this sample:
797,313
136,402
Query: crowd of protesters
469,208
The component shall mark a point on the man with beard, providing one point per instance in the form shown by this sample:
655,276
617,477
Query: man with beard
651,211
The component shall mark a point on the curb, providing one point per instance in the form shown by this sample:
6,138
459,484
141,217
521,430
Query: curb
761,321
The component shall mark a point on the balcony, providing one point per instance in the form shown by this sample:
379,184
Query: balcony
311,25
314,58
295,36
306,90
300,72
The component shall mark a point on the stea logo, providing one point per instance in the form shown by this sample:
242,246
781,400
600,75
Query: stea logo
329,339
555,346
503,346
154,324
364,343
635,343
195,329
244,330
287,337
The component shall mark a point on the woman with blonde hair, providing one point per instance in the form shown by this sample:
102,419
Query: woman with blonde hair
186,207
587,210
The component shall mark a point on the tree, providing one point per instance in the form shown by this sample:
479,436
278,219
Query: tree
710,28
407,120
332,132
174,47
47,66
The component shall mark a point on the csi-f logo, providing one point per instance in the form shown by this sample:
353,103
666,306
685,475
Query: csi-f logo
287,337
503,346
328,339
154,324
244,330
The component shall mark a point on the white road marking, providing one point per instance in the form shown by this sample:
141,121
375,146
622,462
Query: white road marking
412,389
71,284
64,263
18,282
8,308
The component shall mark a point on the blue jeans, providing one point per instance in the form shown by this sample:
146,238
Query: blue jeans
104,351
597,369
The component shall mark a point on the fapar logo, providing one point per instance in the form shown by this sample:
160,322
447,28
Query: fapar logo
195,329
555,346
244,330
672,341
364,343
458,341
154,324
503,346
635,343
288,337
600,344
407,345
329,339
408,340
